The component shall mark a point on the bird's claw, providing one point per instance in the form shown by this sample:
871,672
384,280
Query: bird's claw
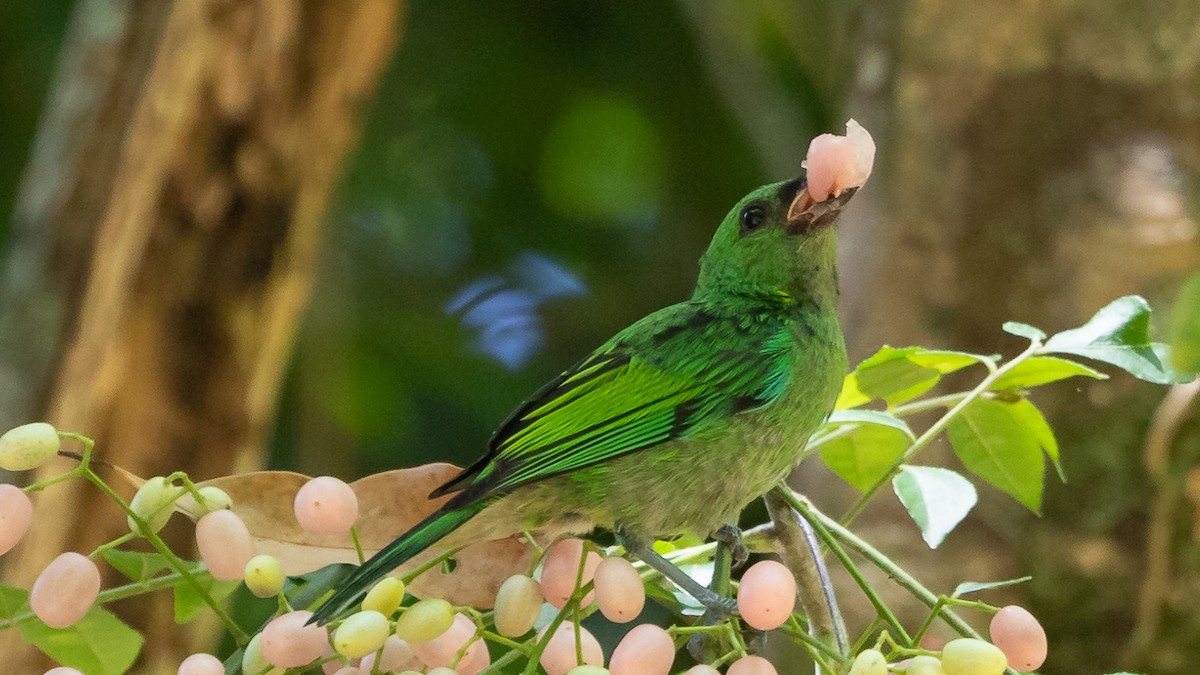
706,647
731,536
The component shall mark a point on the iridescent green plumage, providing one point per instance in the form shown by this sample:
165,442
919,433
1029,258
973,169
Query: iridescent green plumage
679,420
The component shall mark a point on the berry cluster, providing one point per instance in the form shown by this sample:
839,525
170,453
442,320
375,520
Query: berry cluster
536,615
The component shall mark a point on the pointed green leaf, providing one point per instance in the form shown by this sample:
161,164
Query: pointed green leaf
937,499
1185,327
1029,417
866,446
851,396
995,444
977,586
1038,370
843,417
12,601
1024,330
138,565
1118,334
189,604
898,375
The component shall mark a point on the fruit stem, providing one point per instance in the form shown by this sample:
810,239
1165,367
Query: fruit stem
159,545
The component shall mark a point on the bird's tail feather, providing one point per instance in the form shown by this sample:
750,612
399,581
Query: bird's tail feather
418,538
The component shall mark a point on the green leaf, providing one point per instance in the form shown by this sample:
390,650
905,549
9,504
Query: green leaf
993,441
851,396
189,604
1038,370
977,586
139,566
1118,334
12,601
1185,327
898,375
1024,330
1031,419
98,643
865,448
937,499
304,591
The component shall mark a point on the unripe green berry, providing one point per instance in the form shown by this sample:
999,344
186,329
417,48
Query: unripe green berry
154,503
968,656
361,633
587,670
28,446
869,662
213,498
425,620
385,597
924,665
264,576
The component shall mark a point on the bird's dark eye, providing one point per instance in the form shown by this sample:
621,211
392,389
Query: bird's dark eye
754,216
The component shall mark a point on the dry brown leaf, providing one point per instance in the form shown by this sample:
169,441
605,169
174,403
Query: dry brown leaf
389,503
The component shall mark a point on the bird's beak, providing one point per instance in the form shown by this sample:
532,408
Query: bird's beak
806,214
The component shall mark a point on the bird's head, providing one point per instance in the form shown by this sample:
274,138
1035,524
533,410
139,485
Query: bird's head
781,240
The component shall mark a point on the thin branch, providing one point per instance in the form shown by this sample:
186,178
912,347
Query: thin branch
813,585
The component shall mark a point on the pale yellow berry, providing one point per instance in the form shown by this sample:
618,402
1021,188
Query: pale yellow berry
968,656
385,597
869,662
28,446
361,633
264,576
425,620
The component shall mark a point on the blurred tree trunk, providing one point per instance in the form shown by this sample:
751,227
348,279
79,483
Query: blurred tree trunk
165,239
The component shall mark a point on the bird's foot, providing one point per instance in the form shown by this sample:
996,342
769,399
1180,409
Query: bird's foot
709,646
712,601
731,536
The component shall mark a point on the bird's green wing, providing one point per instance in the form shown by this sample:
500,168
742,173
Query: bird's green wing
668,376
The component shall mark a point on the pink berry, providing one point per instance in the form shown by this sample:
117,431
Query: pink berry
16,513
702,669
225,544
619,590
767,595
645,650
559,656
837,163
63,670
288,643
441,650
326,505
201,664
1019,635
561,569
397,656
752,665
65,590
